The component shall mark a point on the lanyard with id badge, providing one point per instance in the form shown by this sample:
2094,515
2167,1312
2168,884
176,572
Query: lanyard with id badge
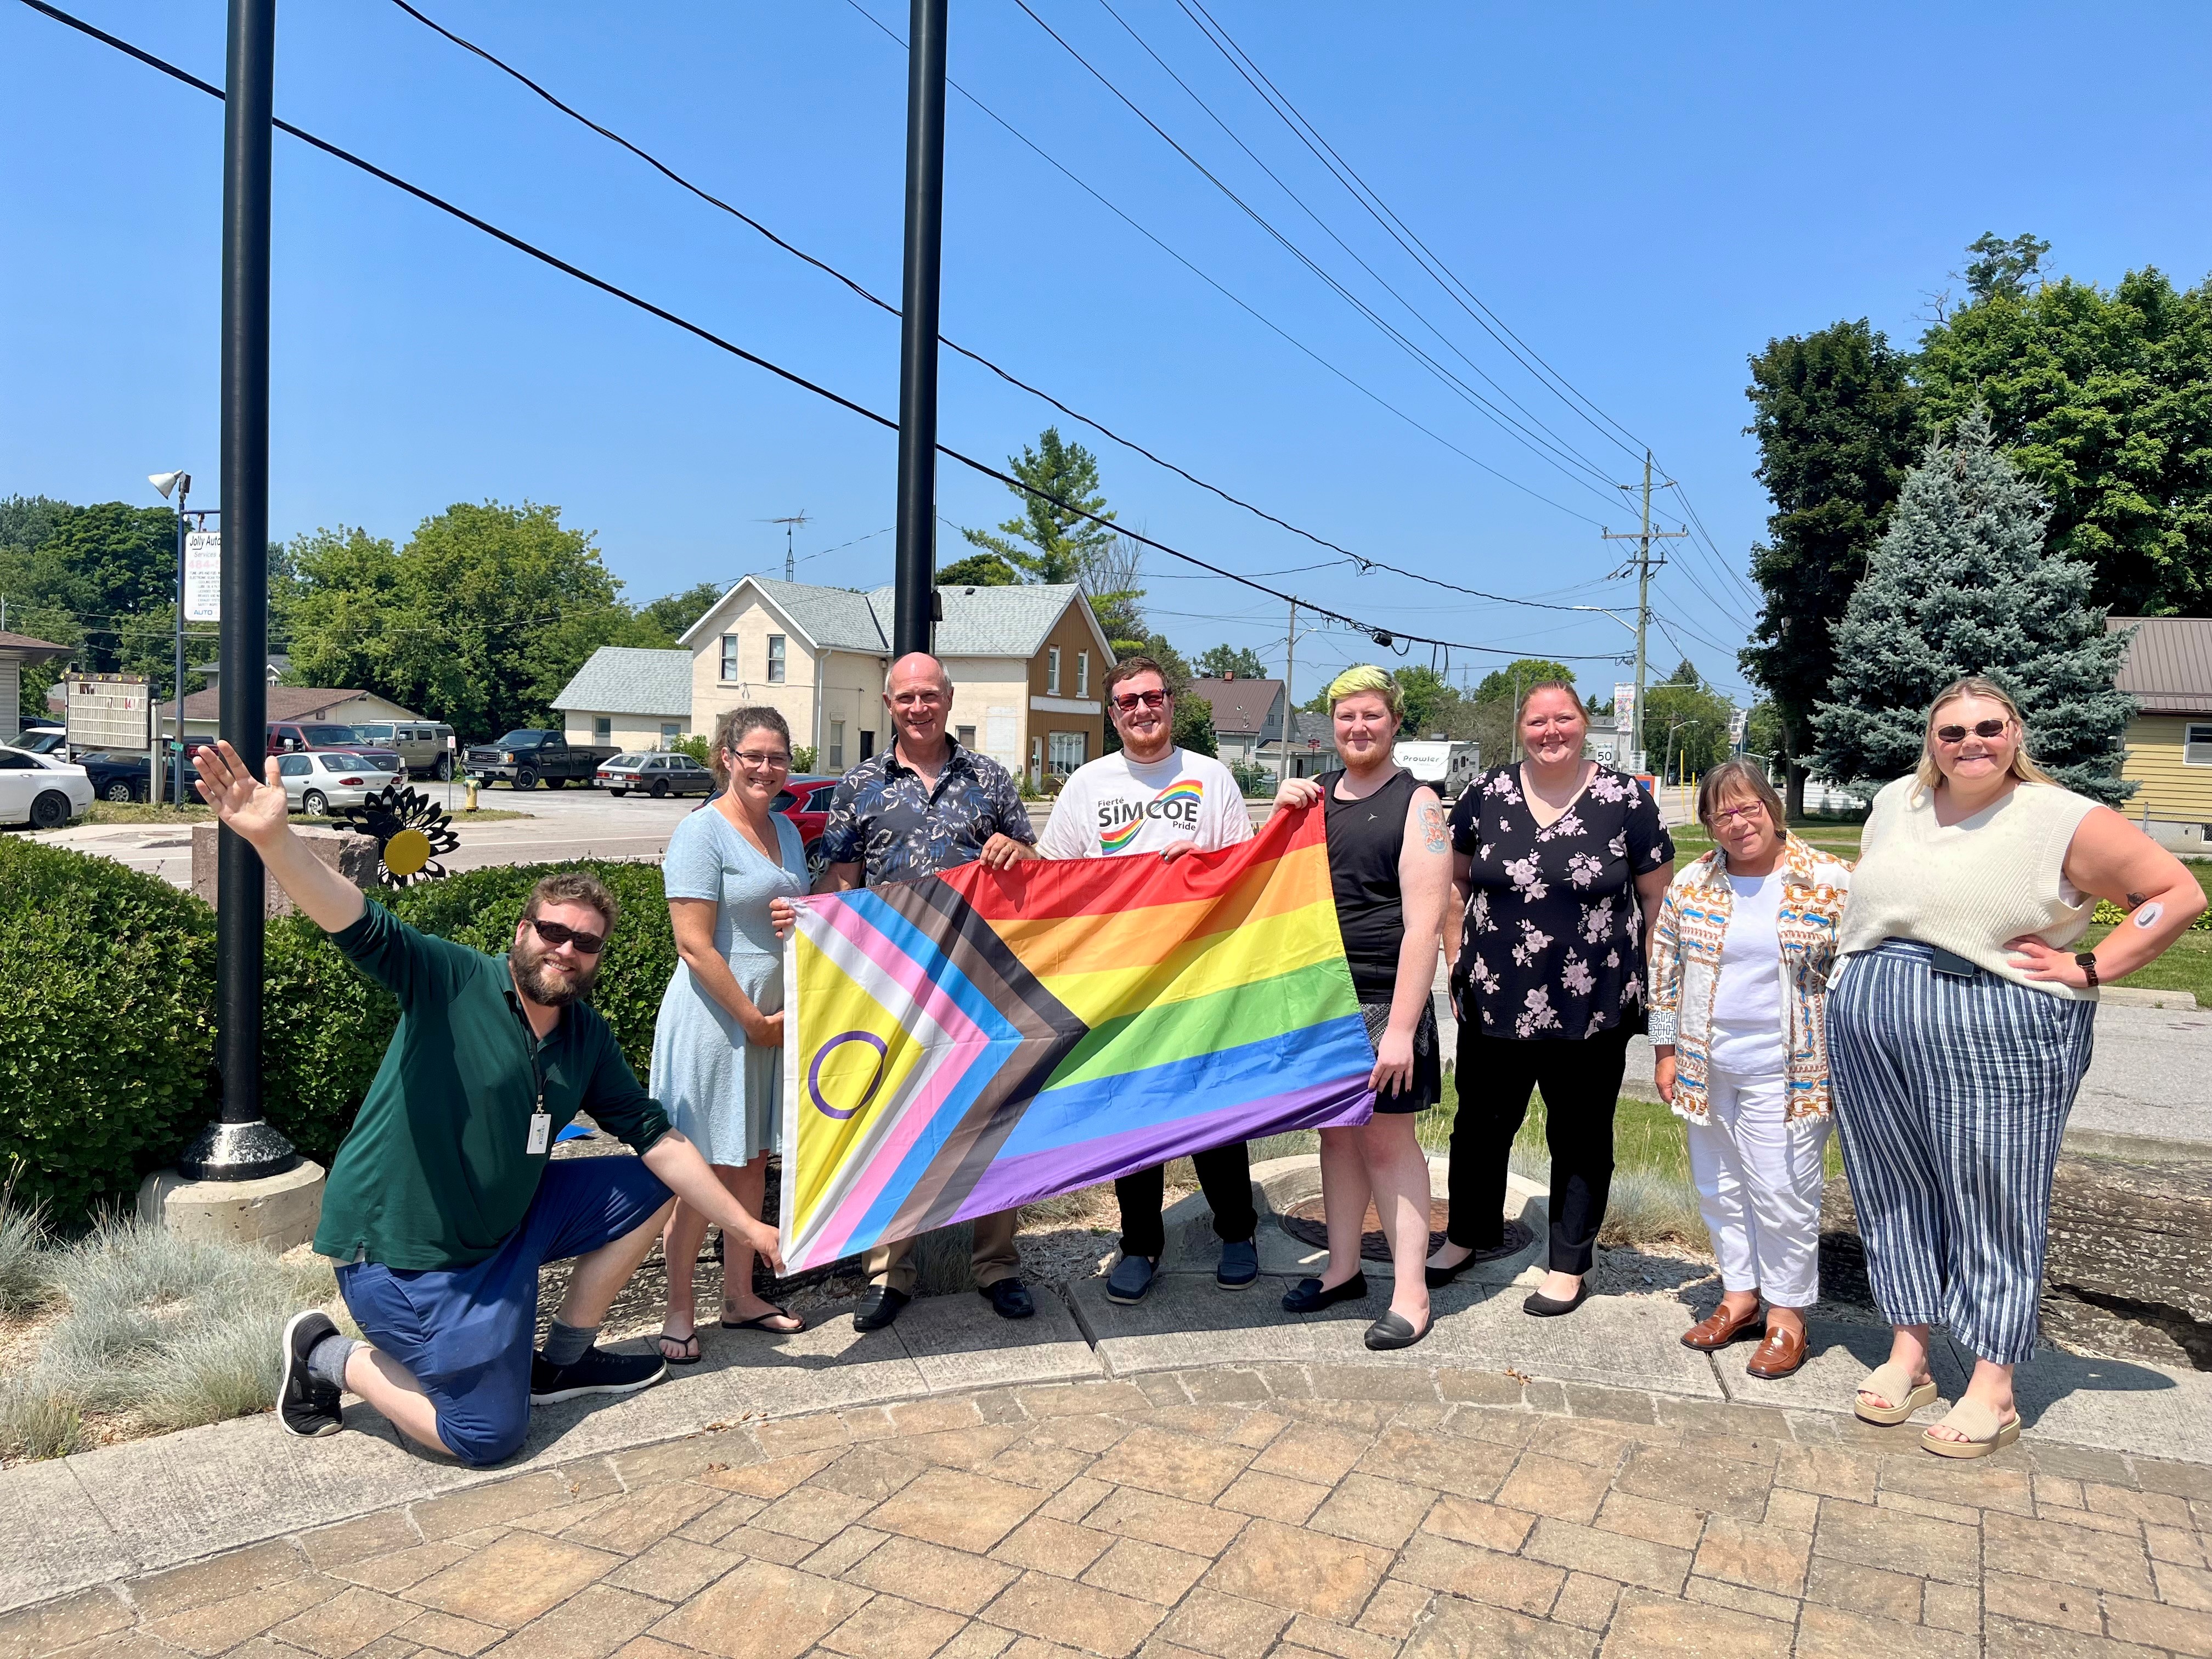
541,1120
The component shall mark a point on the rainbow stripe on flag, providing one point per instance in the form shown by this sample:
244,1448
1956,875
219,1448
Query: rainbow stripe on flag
969,1041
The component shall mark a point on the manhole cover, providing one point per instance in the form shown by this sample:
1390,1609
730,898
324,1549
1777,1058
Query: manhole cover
1304,1222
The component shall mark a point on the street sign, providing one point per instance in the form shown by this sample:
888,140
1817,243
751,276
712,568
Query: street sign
107,711
203,576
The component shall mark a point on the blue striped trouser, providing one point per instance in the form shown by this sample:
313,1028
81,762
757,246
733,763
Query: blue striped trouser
1952,1095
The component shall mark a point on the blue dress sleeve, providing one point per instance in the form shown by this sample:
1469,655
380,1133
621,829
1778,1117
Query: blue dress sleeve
692,866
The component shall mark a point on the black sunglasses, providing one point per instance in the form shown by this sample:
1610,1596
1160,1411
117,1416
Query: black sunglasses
554,934
1984,729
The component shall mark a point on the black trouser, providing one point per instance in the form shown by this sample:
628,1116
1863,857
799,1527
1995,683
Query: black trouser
1225,1175
1581,1081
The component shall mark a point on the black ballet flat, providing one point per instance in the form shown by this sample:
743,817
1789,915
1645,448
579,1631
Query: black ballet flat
1309,1296
1545,1307
1438,1278
1394,1330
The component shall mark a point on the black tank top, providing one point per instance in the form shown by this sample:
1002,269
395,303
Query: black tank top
1365,837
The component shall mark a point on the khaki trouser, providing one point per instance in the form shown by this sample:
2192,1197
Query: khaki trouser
995,1257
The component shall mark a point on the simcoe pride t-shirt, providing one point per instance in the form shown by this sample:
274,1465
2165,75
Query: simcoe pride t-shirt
1111,806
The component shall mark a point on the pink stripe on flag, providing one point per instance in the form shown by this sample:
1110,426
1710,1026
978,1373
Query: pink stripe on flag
890,1153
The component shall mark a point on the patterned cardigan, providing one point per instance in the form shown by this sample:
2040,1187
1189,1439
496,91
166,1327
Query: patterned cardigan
1693,919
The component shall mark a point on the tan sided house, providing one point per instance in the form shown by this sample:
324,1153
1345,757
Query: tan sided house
2168,668
1026,663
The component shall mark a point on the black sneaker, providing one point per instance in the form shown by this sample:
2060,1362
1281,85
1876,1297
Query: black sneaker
306,1406
597,1371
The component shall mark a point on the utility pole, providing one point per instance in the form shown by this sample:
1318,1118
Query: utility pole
914,608
1645,563
1290,700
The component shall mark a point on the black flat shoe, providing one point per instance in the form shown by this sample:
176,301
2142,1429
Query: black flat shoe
1439,1277
879,1306
1394,1330
1545,1307
1309,1296
1008,1298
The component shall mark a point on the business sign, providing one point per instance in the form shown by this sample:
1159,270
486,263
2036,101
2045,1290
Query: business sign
107,711
1737,720
203,576
1624,701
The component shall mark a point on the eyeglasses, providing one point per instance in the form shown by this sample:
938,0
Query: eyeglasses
554,934
1729,814
1958,733
1137,699
769,762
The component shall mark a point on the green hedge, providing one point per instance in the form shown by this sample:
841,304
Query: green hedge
107,1010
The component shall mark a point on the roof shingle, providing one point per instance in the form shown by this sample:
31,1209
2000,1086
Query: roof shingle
624,679
2169,662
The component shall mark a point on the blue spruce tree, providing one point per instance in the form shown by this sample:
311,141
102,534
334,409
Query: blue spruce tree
1961,584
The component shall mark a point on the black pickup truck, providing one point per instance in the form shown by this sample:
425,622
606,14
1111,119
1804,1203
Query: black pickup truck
526,758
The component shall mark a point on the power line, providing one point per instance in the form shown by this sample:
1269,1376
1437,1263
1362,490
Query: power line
1384,637
885,306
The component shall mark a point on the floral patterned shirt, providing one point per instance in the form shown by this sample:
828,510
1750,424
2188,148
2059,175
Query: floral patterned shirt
1552,945
882,818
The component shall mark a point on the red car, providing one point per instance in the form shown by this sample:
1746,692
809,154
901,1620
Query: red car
805,802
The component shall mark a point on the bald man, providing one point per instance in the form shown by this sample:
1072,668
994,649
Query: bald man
925,805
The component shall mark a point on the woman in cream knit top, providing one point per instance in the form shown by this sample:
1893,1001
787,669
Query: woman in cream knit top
1973,886
1958,1031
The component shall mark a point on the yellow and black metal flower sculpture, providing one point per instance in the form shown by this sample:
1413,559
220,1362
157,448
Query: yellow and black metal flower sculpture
410,832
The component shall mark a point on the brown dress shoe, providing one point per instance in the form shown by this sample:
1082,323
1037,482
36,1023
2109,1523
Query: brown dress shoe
1720,1328
1781,1353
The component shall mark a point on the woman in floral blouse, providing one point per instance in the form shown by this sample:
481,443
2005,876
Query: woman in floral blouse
1558,868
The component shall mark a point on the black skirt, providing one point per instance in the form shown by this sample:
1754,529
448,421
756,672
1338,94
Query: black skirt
1427,1087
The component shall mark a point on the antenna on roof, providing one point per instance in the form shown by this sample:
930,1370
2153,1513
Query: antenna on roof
790,564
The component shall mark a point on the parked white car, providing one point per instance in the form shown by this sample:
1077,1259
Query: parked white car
41,791
318,780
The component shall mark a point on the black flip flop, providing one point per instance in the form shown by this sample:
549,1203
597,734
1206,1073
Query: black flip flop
762,1324
690,1342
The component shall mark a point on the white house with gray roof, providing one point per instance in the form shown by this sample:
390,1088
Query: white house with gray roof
628,697
1026,664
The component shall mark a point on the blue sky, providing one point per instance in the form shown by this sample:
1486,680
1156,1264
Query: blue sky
1644,194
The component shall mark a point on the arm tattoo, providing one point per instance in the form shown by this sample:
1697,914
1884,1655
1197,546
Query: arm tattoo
1432,829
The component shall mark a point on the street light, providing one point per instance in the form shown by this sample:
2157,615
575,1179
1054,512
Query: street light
182,483
1672,728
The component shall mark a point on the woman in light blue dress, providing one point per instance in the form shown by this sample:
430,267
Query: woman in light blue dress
732,870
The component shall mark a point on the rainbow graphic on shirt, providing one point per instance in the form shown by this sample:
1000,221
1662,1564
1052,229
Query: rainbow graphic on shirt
963,1043
1182,799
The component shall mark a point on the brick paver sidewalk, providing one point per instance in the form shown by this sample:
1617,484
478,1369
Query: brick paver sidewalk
1240,1513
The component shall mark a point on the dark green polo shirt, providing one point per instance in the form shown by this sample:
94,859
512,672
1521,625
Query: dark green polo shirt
436,1170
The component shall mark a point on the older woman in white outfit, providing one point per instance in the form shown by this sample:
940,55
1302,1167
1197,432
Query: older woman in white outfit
1740,963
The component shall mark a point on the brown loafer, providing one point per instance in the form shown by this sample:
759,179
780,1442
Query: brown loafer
1720,1328
1780,1354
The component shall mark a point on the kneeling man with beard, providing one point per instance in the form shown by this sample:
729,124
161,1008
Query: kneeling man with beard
442,1202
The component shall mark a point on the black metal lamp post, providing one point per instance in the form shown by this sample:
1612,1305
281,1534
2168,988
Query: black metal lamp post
913,609
240,1145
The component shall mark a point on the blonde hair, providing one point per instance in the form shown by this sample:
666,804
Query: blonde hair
2023,767
1366,676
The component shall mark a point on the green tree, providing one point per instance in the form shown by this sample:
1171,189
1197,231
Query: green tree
2103,400
1047,543
979,570
672,614
2003,267
1685,722
1427,697
99,578
478,620
1517,676
1962,583
1762,734
1838,423
1219,662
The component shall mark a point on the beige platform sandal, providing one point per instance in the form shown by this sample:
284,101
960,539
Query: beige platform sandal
1984,1430
1892,1382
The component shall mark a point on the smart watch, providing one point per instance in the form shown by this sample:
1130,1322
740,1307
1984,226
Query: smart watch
2086,960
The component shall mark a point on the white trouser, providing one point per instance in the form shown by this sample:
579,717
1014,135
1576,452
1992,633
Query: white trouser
1759,1189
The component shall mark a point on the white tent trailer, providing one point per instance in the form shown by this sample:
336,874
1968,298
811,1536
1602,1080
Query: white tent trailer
1445,766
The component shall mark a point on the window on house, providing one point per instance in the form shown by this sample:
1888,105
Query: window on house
966,736
776,659
836,745
1083,673
868,741
729,656
1037,762
1066,752
1052,671
603,730
671,731
2197,743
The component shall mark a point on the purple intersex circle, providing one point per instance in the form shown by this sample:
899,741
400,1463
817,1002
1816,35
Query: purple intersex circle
814,1073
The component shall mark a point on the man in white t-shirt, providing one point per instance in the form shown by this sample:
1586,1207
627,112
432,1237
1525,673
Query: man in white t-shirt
1152,797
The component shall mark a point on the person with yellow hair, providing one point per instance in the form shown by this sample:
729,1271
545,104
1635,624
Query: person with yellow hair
1390,867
